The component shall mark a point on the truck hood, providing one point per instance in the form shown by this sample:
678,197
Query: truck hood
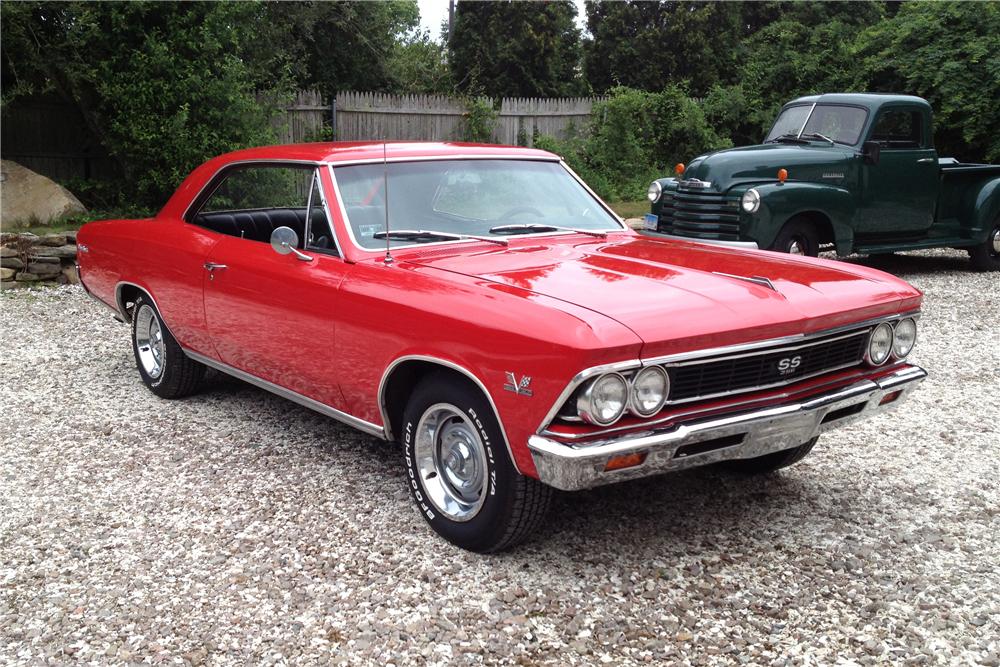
754,164
679,296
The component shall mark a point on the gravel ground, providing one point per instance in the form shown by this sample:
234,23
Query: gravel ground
235,527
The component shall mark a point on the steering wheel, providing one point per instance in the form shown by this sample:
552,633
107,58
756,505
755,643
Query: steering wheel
518,210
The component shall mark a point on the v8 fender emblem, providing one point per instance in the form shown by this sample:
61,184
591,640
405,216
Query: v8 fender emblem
518,386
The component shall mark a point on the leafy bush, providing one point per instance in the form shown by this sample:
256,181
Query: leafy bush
636,136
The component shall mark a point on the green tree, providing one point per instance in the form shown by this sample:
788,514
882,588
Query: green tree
648,45
948,53
167,91
521,49
418,65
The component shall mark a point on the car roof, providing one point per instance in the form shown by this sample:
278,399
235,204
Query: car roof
366,151
868,100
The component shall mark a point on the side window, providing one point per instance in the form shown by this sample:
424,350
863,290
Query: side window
320,233
251,202
899,128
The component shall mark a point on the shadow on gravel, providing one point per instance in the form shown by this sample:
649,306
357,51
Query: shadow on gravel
914,264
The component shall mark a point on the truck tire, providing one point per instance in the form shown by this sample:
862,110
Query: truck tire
771,462
459,472
797,237
986,256
162,364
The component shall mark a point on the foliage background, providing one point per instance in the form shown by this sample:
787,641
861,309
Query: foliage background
164,86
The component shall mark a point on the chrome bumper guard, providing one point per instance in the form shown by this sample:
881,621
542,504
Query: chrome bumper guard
571,467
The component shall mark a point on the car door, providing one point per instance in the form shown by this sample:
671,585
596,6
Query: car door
899,193
273,315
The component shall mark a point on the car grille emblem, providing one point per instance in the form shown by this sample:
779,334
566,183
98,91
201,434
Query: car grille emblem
789,365
518,387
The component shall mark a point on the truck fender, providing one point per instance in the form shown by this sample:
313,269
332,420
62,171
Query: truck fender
780,202
986,209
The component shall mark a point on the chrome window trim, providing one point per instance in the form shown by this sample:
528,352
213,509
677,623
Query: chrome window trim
329,217
211,181
432,158
322,408
761,347
387,425
350,231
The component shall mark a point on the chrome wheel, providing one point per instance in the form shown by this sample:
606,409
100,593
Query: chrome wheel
451,461
995,241
795,248
149,341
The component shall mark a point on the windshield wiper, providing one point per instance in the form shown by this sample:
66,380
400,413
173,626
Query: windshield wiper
428,234
500,229
793,138
820,136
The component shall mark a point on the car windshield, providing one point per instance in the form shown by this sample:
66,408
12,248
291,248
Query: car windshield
841,124
494,198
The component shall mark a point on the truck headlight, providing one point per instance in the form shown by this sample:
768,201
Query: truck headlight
650,387
654,191
750,201
879,344
904,337
603,401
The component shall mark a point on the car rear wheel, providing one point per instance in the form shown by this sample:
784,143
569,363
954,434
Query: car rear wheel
797,237
459,471
162,364
771,462
986,256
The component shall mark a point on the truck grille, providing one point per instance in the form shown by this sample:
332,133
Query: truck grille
700,215
696,380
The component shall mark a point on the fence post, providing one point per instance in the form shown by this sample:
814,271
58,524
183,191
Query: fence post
333,118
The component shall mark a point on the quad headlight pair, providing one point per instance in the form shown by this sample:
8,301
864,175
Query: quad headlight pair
888,341
605,400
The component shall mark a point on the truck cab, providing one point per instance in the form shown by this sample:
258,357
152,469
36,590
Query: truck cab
844,172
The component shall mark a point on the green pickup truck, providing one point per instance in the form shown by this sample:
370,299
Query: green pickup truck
850,172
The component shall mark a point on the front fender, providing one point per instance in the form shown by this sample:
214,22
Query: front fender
986,210
780,202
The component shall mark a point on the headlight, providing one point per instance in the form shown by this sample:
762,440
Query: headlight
604,400
650,387
654,191
904,338
879,344
750,201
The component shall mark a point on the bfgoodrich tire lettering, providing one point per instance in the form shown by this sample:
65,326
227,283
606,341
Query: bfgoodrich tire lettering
452,414
162,364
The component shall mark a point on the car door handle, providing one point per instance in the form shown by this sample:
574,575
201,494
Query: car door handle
212,266
926,160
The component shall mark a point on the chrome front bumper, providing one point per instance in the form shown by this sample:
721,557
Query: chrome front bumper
742,436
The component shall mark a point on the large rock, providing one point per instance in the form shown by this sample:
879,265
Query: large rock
11,262
7,274
45,270
30,197
64,251
53,240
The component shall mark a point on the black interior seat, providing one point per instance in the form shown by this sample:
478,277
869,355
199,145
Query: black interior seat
255,225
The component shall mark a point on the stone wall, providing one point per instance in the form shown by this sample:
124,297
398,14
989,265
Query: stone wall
27,259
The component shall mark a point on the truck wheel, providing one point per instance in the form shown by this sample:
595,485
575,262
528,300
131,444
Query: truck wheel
162,364
460,474
797,237
771,462
986,256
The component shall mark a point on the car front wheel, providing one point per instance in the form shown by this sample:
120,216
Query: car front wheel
986,256
162,364
459,472
797,237
771,462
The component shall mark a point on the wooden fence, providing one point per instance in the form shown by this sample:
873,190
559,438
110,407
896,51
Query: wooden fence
376,116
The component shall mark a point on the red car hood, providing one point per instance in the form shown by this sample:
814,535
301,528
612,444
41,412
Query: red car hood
674,295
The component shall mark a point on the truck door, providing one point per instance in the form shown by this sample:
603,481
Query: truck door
898,195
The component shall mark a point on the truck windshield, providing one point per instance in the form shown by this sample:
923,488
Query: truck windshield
433,200
841,124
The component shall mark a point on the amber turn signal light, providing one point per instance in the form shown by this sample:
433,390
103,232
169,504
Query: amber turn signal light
782,175
624,461
889,398
679,169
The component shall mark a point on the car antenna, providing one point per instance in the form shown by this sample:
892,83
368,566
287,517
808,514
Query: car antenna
385,187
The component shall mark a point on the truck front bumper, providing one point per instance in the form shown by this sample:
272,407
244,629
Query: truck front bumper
574,466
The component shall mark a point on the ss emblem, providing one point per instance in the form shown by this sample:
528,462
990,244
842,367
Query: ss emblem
789,364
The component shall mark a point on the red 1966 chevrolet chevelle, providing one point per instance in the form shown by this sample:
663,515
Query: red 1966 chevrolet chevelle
508,330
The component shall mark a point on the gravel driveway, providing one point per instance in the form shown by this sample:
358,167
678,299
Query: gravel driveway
235,527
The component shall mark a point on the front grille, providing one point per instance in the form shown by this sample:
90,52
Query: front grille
703,379
700,215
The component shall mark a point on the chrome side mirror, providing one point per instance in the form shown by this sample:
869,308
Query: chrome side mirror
284,240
